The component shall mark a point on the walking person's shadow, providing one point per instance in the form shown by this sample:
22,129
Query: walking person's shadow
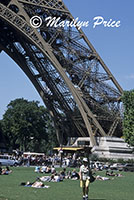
97,199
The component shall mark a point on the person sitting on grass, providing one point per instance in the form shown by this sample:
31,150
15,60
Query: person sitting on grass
63,173
110,173
74,175
48,170
68,175
43,169
37,169
57,178
53,169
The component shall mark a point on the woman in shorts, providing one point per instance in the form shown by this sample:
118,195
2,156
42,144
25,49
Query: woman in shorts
84,178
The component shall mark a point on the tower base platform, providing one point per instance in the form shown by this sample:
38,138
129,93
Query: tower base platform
113,148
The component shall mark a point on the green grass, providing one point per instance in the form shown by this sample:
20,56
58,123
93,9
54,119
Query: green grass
121,188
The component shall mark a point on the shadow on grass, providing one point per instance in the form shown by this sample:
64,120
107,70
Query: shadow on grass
4,198
97,199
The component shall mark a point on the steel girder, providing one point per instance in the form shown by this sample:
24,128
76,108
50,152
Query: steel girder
80,92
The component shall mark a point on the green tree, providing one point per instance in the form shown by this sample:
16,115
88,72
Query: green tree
25,125
128,121
2,139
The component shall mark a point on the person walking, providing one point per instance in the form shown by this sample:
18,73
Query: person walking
84,178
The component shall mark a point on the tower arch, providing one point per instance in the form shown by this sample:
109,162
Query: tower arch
80,92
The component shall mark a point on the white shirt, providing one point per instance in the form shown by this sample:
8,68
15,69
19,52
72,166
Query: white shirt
84,172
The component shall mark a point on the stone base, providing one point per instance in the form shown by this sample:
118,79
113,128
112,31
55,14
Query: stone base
113,148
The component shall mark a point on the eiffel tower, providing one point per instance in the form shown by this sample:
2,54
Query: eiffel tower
80,92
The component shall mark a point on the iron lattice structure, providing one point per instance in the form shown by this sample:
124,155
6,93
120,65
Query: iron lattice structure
76,86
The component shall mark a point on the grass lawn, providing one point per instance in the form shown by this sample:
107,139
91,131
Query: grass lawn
121,188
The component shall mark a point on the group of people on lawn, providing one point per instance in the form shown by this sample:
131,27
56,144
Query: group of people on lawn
83,175
56,176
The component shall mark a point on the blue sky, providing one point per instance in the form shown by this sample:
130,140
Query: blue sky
114,45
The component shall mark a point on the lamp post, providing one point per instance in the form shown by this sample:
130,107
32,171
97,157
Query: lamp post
61,156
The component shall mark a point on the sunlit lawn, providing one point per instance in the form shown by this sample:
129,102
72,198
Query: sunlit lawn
120,188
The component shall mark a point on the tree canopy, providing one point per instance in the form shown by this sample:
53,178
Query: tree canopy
128,121
28,126
2,139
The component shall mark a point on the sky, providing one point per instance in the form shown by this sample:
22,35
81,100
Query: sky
114,45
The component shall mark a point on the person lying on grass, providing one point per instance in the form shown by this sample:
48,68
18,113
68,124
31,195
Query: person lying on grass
112,174
101,178
57,177
43,169
36,184
6,171
53,178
